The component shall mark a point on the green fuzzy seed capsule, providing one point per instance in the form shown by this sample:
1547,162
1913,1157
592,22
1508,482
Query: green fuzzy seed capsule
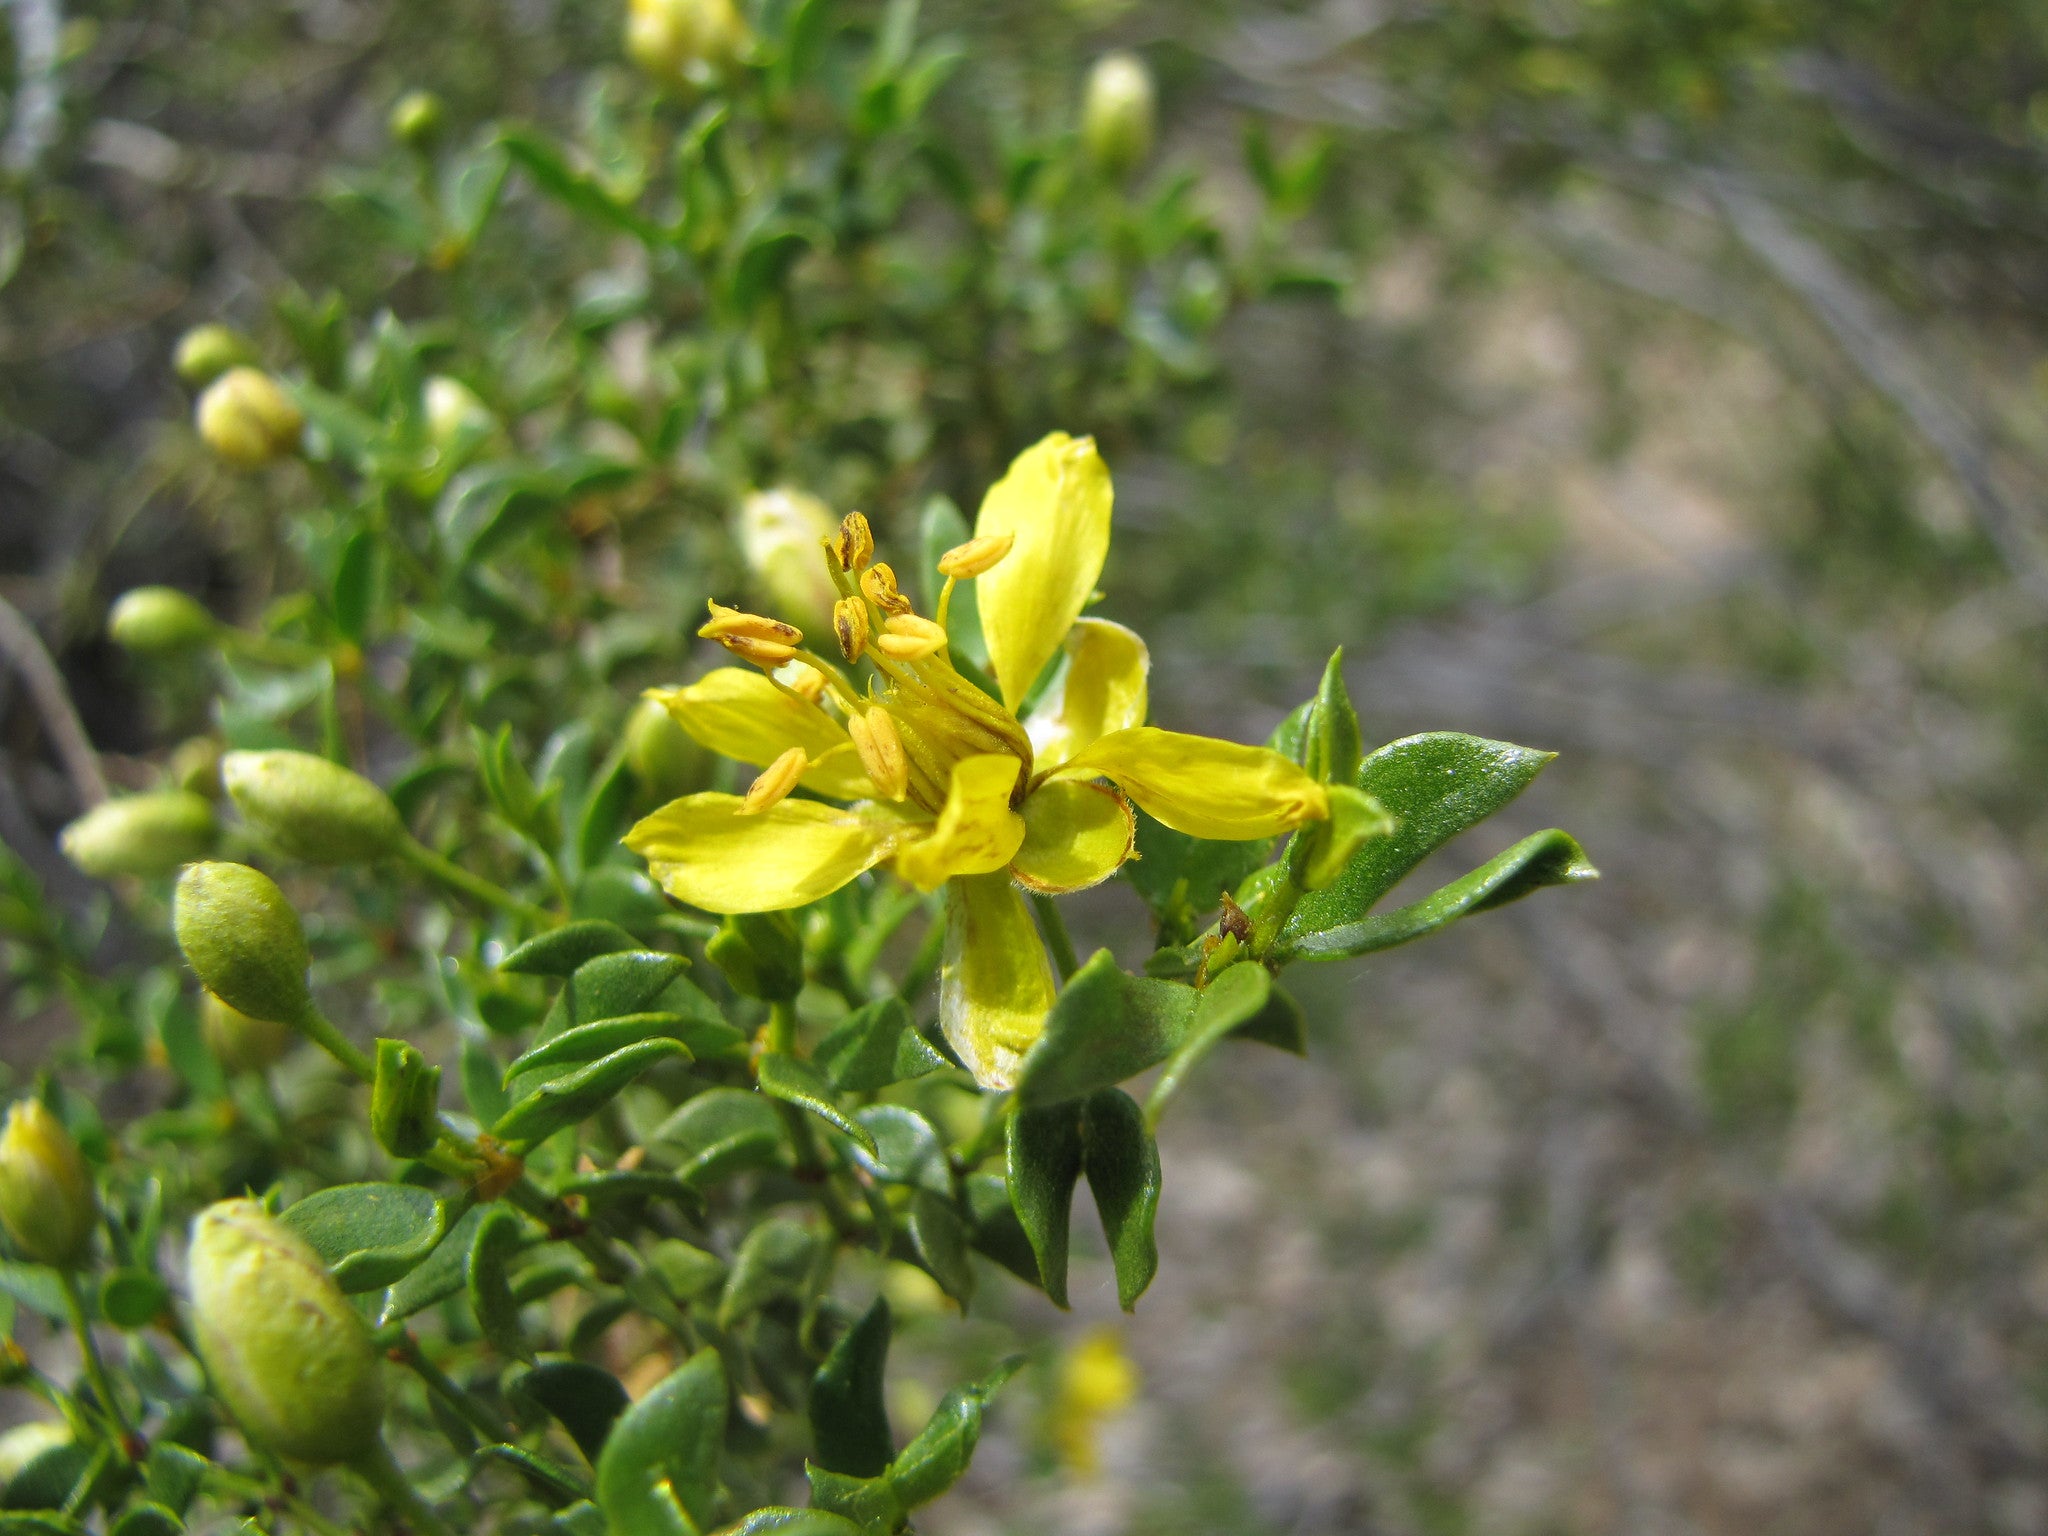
760,954
243,941
156,621
147,835
779,533
246,417
417,120
46,1195
312,809
206,352
685,43
1118,114
238,1042
662,756
405,1101
287,1353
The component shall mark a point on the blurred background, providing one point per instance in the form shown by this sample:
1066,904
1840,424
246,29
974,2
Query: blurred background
1656,382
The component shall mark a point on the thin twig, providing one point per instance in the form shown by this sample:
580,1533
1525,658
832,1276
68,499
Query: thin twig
22,646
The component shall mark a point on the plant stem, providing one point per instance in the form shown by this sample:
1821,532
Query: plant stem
454,876
89,1353
1054,927
399,1496
449,1391
315,1026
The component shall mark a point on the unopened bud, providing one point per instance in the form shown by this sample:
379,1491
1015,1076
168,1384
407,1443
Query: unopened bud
147,835
246,417
46,1195
760,954
685,43
417,119
1117,118
405,1101
206,352
457,418
284,1349
238,1042
1355,819
779,534
243,941
195,765
664,757
851,626
153,621
311,808
976,556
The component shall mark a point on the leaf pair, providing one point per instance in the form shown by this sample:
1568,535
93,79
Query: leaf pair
1103,1137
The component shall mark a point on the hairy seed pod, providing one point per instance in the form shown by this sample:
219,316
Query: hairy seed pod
155,621
46,1195
149,834
246,417
206,352
243,940
284,1349
311,808
417,119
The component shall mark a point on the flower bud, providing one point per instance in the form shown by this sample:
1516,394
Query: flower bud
246,417
206,352
46,1195
1118,115
153,621
760,954
405,1101
685,43
238,1042
457,418
780,532
284,1349
243,940
195,765
417,120
665,759
147,835
311,808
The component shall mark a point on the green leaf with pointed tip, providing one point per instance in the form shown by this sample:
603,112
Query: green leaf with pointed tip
904,1149
772,1261
1280,1024
146,1519
554,1485
867,1503
849,1423
722,1131
583,1398
875,1046
1434,786
483,1082
933,1462
440,1276
41,1523
369,1235
798,1082
1122,1163
49,1478
939,1237
672,1436
172,1475
577,190
1044,1160
1104,1027
1183,879
1231,999
794,1522
1332,747
490,1286
631,1184
993,1227
1544,858
35,1286
610,986
569,1100
587,1042
559,951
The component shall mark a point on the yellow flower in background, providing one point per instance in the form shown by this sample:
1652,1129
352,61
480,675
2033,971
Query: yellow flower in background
950,785
1097,1381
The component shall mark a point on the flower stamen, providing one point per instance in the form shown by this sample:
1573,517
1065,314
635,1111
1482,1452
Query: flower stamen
850,625
856,544
775,782
878,581
976,556
906,637
880,746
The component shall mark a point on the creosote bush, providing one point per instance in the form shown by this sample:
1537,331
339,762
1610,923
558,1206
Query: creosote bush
601,1026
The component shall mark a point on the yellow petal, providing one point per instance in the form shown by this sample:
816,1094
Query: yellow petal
707,851
1076,834
1104,690
976,832
995,984
1056,500
739,713
1205,788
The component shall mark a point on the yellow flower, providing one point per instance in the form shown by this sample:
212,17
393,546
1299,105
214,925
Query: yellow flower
949,785
1096,1382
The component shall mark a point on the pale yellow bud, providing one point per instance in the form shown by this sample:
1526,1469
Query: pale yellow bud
149,834
417,119
663,756
906,637
880,746
1118,116
850,624
284,1349
976,555
207,351
806,680
158,620
779,534
775,782
311,808
246,417
46,1195
685,43
457,417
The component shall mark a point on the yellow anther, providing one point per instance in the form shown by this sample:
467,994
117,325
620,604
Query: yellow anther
880,747
856,546
767,654
733,624
879,582
775,782
906,637
975,556
850,623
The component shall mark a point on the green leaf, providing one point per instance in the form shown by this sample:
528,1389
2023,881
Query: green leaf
572,1099
1104,1027
355,585
940,1239
797,1082
133,1298
933,1462
369,1235
575,189
172,1475
579,1519
490,1287
50,1478
1044,1160
1332,747
794,1522
146,1519
773,1260
849,1422
554,1485
560,951
1122,1163
672,1436
611,986
482,1082
42,1523
993,1228
687,1270
722,1131
588,1042
1237,995
1435,786
35,1286
903,1149
874,1046
633,1184
440,1276
1183,879
866,1503
585,1399
1544,858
